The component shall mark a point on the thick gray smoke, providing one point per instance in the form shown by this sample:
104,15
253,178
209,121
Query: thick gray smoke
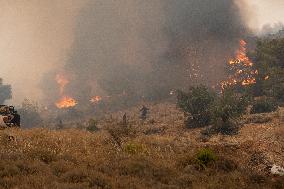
143,49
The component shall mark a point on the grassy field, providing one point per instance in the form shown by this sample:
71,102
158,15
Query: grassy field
157,153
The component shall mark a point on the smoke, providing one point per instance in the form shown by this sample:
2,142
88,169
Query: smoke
35,38
203,35
262,16
141,49
145,49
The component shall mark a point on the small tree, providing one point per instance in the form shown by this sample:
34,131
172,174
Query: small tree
30,114
228,108
264,105
205,108
92,125
204,157
269,61
197,102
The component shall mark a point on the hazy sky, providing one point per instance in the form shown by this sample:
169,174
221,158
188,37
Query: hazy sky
35,35
265,12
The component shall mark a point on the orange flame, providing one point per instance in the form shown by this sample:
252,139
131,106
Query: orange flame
249,81
227,83
66,102
244,74
241,55
96,99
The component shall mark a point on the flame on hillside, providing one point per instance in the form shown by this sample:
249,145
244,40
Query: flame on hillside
241,56
242,68
248,81
65,101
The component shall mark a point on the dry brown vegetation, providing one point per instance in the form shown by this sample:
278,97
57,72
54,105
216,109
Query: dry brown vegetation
157,153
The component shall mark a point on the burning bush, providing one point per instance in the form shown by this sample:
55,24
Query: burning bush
197,102
241,71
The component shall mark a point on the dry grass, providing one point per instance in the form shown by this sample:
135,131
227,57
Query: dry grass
158,153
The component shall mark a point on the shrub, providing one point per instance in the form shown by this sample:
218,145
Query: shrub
226,165
92,125
134,148
197,102
119,132
228,108
269,60
30,116
204,157
207,108
258,118
230,105
264,105
228,127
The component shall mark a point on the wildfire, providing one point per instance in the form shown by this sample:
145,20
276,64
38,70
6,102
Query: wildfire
66,102
248,81
96,99
241,55
242,69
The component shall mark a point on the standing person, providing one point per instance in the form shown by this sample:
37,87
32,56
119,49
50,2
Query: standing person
144,111
124,119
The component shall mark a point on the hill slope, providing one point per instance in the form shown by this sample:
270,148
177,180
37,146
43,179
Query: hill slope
157,153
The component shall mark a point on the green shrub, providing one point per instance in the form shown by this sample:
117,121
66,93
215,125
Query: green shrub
228,127
264,105
204,157
230,105
134,148
228,108
197,102
92,125
207,108
269,61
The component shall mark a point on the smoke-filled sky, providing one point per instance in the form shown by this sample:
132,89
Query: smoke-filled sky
39,37
265,12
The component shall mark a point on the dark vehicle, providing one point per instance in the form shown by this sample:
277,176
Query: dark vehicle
9,117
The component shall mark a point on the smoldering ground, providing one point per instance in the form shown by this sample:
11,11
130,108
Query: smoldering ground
145,49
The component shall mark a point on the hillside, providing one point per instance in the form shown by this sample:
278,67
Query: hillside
157,153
